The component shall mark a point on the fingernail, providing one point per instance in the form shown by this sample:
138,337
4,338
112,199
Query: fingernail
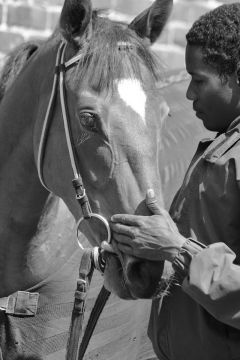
150,193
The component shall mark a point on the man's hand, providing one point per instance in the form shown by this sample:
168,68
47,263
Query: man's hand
153,237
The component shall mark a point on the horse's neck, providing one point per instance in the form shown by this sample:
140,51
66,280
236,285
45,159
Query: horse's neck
27,245
21,195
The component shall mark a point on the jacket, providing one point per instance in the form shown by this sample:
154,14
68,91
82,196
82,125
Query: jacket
200,320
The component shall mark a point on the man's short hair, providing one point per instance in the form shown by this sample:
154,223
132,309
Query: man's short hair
218,34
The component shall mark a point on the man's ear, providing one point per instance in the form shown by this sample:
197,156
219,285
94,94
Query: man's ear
150,23
76,21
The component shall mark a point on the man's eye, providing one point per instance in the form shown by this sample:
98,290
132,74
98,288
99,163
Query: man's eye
198,81
88,121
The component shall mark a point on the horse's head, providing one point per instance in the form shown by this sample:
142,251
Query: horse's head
115,115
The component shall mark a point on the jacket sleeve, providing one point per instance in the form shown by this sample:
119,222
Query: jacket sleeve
214,282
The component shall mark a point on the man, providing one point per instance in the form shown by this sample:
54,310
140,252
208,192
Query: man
200,319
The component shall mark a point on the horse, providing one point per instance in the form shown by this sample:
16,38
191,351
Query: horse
116,118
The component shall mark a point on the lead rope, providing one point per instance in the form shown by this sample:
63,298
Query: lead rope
76,326
92,322
77,344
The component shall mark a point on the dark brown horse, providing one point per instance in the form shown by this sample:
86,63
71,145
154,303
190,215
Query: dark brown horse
116,116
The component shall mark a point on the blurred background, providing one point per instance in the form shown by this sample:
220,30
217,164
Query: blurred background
22,20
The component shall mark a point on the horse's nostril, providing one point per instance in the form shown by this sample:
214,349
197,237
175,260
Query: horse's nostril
136,273
143,277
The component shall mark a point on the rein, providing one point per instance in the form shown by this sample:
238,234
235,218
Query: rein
92,258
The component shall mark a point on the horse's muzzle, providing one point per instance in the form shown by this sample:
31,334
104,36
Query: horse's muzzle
132,278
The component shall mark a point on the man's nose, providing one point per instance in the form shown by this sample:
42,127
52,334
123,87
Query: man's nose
190,94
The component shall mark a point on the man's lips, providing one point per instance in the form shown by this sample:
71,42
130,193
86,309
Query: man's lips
196,109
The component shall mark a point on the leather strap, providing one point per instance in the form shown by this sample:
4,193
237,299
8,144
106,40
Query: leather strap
85,275
92,322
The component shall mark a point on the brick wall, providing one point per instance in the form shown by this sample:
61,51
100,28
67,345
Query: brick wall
22,20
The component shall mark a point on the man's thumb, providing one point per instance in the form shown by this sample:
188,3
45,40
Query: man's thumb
151,202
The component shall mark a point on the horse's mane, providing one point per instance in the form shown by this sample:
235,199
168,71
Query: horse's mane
113,51
15,62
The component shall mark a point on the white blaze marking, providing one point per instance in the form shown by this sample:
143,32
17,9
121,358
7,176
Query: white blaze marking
132,93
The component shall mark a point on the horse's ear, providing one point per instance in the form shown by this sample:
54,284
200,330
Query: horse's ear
150,23
76,20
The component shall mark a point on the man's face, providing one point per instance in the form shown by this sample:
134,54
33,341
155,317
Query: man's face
216,101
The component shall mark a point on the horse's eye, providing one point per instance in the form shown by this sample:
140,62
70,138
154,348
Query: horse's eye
88,121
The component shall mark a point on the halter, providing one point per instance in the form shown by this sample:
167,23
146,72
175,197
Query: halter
59,76
91,257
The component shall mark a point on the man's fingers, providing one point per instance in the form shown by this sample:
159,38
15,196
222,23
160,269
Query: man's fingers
126,249
154,208
122,230
122,238
125,219
152,204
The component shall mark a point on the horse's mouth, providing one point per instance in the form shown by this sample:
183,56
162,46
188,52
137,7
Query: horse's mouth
114,279
131,278
126,276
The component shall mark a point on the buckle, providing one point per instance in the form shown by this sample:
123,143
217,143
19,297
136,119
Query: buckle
21,303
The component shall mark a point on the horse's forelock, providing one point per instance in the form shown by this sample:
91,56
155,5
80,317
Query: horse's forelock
113,52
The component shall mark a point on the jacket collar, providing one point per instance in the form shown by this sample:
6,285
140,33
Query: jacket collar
222,142
234,126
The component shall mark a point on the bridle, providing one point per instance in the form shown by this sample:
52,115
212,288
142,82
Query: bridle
92,258
59,76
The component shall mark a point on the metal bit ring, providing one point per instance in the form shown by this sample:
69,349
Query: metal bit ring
102,219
